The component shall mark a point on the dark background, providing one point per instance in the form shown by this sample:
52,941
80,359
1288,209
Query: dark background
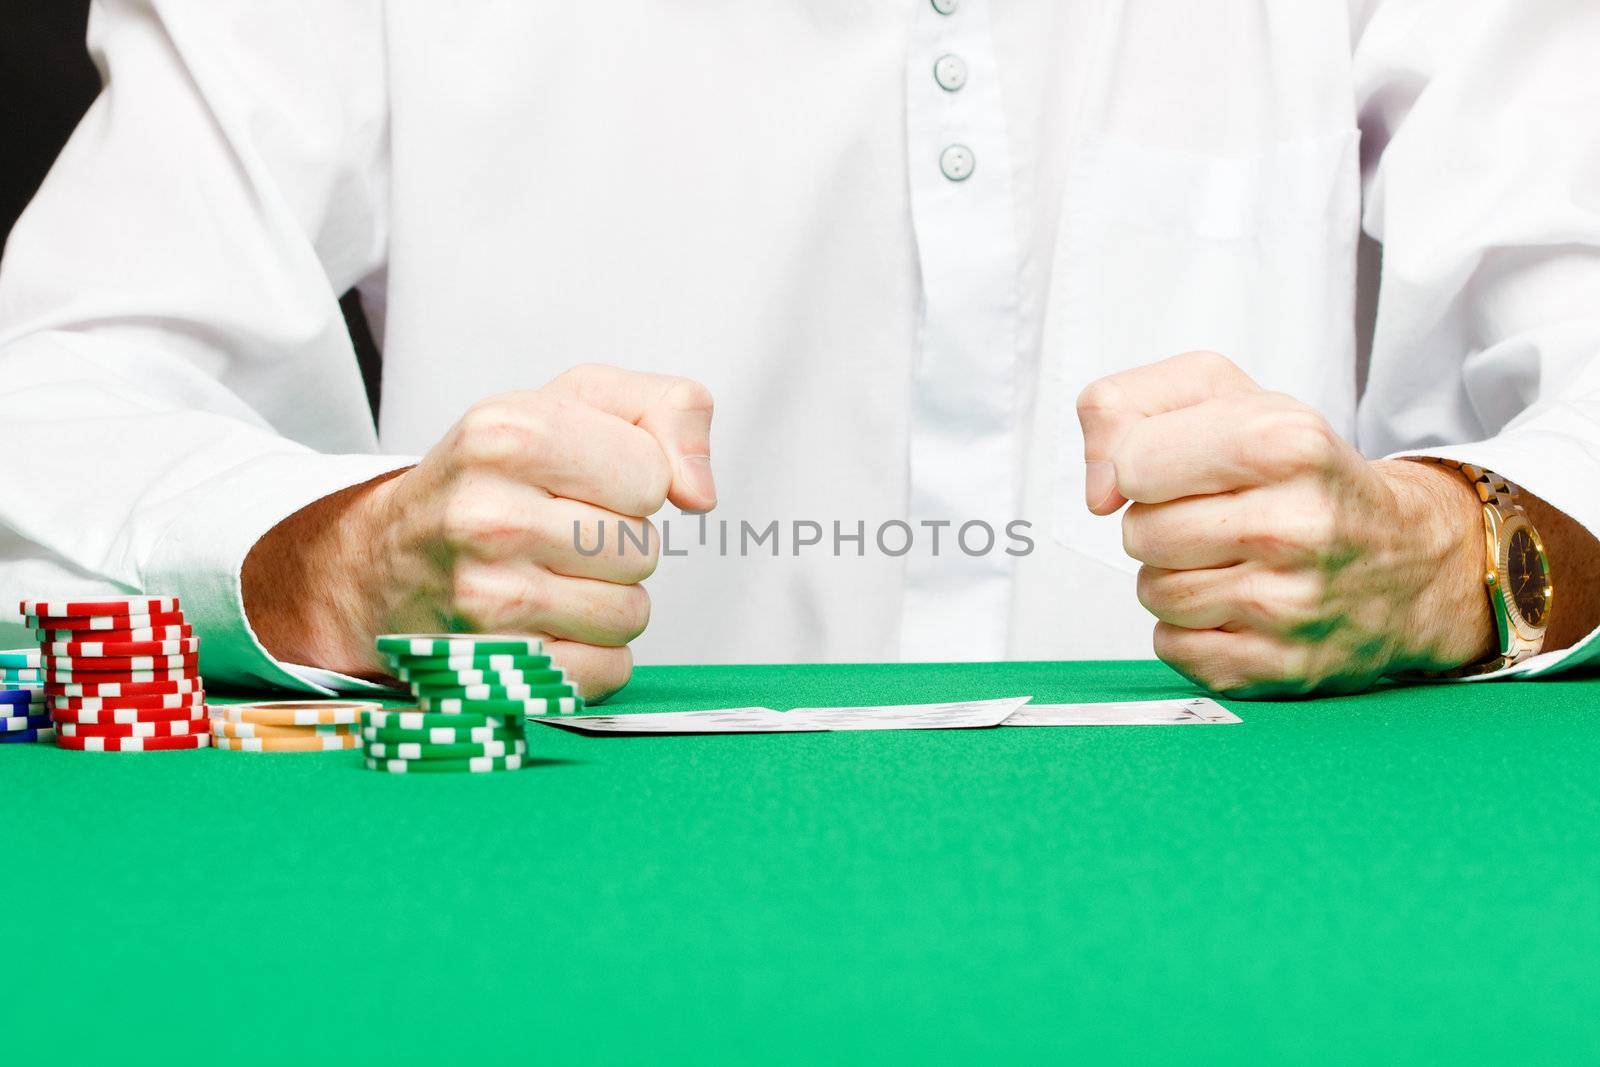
46,84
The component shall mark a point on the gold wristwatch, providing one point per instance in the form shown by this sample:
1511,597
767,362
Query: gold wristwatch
1517,573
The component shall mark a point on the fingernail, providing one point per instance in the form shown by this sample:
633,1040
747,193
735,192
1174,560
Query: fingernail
1099,482
696,474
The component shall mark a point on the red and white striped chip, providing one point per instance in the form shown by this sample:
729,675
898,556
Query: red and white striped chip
134,744
111,605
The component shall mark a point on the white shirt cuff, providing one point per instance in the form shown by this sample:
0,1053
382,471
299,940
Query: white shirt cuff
201,558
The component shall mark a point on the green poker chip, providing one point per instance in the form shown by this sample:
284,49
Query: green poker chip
476,765
422,750
494,692
457,644
442,735
488,661
535,707
502,679
415,719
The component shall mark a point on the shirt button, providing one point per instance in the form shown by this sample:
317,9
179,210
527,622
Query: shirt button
956,162
950,72
946,7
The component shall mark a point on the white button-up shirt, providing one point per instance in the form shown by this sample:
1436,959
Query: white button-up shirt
894,237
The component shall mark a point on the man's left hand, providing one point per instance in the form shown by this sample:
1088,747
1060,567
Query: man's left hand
1277,558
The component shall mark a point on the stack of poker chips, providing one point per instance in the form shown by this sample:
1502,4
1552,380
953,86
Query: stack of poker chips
121,674
475,693
289,725
23,715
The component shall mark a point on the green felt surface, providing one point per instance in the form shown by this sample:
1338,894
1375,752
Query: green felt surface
1410,874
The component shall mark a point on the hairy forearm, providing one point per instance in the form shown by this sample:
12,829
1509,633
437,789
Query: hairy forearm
300,582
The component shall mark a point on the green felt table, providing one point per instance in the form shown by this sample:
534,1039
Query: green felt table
1407,874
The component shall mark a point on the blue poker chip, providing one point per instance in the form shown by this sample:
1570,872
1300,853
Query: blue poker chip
18,697
23,737
12,723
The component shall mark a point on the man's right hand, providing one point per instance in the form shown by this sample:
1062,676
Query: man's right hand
480,536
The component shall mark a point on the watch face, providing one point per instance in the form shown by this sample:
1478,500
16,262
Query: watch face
1527,577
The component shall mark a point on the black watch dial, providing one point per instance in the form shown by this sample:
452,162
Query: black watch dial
1528,577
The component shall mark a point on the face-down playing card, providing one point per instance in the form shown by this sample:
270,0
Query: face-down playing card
955,715
1192,711
959,715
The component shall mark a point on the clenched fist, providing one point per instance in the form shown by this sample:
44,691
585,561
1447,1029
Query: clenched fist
1277,558
480,536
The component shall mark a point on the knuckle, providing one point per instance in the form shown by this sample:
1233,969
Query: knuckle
1174,646
1162,592
686,394
1103,394
1148,590
634,615
1292,438
553,536
1137,537
1204,361
1298,532
476,592
1296,670
535,600
630,557
604,671
1164,644
656,479
1223,677
468,518
1132,544
650,556
1216,670
1131,470
621,668
543,426
1299,605
1253,600
503,429
487,434
572,379
1313,527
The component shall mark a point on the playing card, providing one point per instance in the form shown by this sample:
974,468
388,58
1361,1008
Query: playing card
954,716
1188,712
960,715
719,721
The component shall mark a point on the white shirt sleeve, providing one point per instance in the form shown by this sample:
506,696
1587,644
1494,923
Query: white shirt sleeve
174,370
1482,170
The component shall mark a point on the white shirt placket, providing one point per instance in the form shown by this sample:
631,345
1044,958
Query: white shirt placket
964,439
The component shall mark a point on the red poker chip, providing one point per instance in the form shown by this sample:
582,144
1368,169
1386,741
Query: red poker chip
115,664
121,689
80,623
146,700
102,678
99,648
134,744
148,633
111,605
102,716
142,728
